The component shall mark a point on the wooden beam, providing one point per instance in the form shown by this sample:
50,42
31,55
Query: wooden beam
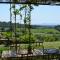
41,2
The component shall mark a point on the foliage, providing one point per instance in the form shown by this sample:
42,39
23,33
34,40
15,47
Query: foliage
3,48
16,12
25,38
7,34
57,27
49,38
42,34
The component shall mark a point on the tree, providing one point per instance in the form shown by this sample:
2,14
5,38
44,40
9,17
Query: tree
57,27
26,39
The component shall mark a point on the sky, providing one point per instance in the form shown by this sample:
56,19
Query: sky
41,15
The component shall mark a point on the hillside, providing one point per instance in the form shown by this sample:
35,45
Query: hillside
8,24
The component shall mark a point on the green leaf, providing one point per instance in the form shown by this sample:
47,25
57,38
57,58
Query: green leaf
16,12
23,7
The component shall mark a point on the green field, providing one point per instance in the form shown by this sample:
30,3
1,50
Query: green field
45,30
50,36
47,34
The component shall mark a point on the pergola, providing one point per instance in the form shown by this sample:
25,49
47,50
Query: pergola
29,2
41,2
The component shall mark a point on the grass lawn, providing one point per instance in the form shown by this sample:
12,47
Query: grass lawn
55,44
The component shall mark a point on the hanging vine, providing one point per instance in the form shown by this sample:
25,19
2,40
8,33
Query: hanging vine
26,8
